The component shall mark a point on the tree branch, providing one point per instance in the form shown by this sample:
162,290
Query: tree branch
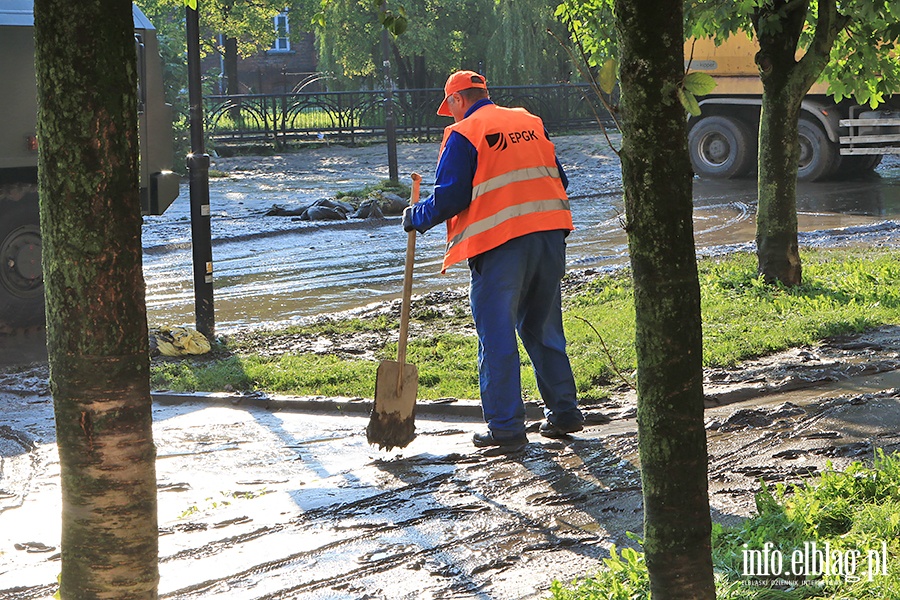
829,23
612,362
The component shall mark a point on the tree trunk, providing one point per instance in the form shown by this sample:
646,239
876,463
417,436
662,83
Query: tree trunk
777,250
232,83
230,62
785,83
420,72
404,76
656,174
96,314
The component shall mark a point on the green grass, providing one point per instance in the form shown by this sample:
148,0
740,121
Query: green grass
855,510
385,185
445,370
844,291
306,374
251,118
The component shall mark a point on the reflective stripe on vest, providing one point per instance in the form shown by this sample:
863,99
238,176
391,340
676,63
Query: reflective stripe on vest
516,188
513,177
538,206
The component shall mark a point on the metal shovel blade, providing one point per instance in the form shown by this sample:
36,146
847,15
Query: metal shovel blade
393,420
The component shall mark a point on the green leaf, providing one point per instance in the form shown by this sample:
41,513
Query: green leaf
689,102
699,84
608,76
398,26
191,4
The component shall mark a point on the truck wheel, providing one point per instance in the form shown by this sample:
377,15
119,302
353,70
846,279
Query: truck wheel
874,161
857,165
721,148
818,156
21,279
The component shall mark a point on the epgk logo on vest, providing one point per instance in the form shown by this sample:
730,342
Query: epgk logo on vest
498,141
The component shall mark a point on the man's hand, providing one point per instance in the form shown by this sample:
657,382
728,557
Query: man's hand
407,219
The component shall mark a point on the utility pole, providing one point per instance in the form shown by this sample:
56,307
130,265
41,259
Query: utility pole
198,165
390,128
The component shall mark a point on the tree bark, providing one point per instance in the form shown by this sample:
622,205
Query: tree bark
777,249
230,62
232,83
785,83
96,314
404,76
656,174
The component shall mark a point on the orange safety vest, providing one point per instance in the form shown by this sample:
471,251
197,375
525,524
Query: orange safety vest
517,188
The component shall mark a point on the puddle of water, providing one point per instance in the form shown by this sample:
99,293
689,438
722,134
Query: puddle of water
276,270
811,397
825,412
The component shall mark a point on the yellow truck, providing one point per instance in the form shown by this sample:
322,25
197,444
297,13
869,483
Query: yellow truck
836,139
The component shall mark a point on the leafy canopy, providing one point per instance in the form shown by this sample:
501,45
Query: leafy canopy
863,61
506,39
251,22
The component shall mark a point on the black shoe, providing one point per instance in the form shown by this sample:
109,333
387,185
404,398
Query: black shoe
556,432
485,440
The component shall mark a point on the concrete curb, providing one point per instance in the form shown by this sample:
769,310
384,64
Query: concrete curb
453,407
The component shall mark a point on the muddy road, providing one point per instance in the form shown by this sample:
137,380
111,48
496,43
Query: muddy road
271,498
271,269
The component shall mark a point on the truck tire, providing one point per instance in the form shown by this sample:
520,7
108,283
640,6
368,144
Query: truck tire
721,148
857,165
874,161
818,156
21,279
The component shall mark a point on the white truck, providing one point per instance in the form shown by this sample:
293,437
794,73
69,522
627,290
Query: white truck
21,282
836,139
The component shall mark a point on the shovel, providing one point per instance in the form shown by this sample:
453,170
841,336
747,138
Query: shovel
392,423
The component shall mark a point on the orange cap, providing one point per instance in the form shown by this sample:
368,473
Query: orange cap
461,80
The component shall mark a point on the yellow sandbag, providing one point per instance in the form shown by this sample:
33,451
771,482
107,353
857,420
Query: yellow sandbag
179,341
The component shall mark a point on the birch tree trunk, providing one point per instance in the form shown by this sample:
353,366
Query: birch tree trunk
96,314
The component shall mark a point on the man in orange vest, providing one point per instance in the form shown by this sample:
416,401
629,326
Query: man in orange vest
501,191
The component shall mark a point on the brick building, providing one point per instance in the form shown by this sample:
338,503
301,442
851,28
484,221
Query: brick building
289,65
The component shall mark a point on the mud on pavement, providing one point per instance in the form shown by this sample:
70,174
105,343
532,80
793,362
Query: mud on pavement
261,498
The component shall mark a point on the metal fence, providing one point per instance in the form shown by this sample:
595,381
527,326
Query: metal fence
350,117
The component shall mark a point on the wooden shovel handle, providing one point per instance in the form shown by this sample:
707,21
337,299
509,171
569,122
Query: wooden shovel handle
407,280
